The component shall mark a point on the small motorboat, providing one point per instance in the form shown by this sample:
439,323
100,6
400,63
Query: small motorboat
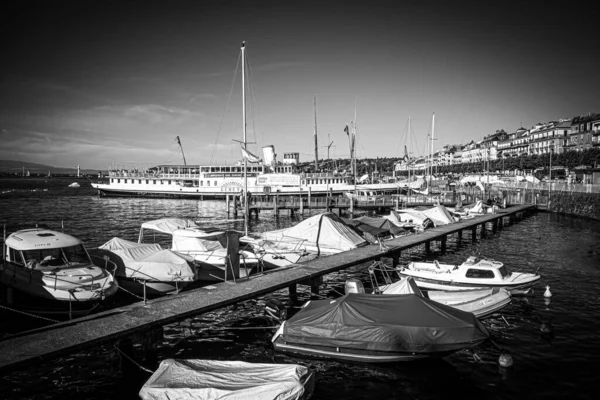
49,272
320,235
146,269
481,302
228,380
474,273
207,246
377,329
74,185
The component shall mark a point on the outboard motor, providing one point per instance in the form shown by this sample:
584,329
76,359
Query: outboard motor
353,286
276,309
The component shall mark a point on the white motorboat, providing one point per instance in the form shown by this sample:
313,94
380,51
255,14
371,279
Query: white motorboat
481,302
204,245
49,272
474,273
319,235
146,269
228,380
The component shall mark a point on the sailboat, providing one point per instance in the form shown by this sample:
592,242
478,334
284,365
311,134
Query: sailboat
49,175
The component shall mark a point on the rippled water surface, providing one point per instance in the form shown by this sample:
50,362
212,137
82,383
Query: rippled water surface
559,364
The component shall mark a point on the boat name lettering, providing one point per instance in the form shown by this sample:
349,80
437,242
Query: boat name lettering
42,244
486,301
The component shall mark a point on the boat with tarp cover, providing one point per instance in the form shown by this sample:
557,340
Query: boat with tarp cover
320,235
206,245
146,269
378,329
228,380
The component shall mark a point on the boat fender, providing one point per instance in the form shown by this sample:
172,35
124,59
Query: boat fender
505,360
547,293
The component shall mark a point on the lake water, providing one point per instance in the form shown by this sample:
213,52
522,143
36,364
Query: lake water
559,364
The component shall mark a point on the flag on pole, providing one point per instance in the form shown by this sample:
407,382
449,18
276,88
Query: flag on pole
249,156
347,130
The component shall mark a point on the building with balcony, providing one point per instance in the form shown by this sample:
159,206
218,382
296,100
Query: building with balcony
550,137
585,132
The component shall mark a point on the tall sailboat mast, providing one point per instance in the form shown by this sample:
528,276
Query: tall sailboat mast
408,158
432,139
354,141
244,138
316,140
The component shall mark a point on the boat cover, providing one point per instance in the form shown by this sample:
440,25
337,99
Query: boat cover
381,223
391,323
439,215
403,286
186,242
148,261
168,225
412,216
325,230
231,380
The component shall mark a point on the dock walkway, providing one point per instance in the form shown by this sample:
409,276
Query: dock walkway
29,348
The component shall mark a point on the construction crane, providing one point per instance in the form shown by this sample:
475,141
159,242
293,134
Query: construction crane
179,142
328,146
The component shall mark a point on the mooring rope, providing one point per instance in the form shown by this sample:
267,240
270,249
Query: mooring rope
133,361
28,314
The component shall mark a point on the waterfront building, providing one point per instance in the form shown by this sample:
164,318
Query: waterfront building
551,137
514,144
585,130
489,145
472,152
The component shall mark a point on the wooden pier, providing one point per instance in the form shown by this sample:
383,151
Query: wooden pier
342,204
121,324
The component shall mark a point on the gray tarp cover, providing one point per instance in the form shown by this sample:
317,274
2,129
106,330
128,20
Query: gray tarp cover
232,380
394,323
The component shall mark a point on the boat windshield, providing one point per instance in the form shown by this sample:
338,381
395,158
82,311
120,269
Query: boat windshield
57,257
504,271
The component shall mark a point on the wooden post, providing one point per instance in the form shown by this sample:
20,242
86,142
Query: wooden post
396,258
227,203
459,236
275,198
301,204
474,233
314,285
500,223
235,206
443,244
292,294
309,197
233,254
428,246
483,229
494,226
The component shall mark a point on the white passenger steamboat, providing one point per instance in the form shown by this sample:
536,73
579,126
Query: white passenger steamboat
218,181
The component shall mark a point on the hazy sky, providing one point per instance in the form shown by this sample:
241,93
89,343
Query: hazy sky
95,82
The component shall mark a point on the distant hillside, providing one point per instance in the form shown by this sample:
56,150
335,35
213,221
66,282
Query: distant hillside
16,167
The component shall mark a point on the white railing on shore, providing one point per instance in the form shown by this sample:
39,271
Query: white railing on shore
554,186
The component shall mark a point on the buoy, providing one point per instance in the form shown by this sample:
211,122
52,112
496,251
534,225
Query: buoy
546,327
547,292
505,360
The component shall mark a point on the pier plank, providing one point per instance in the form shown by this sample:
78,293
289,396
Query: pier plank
25,349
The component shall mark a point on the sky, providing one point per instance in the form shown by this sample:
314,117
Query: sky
99,83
